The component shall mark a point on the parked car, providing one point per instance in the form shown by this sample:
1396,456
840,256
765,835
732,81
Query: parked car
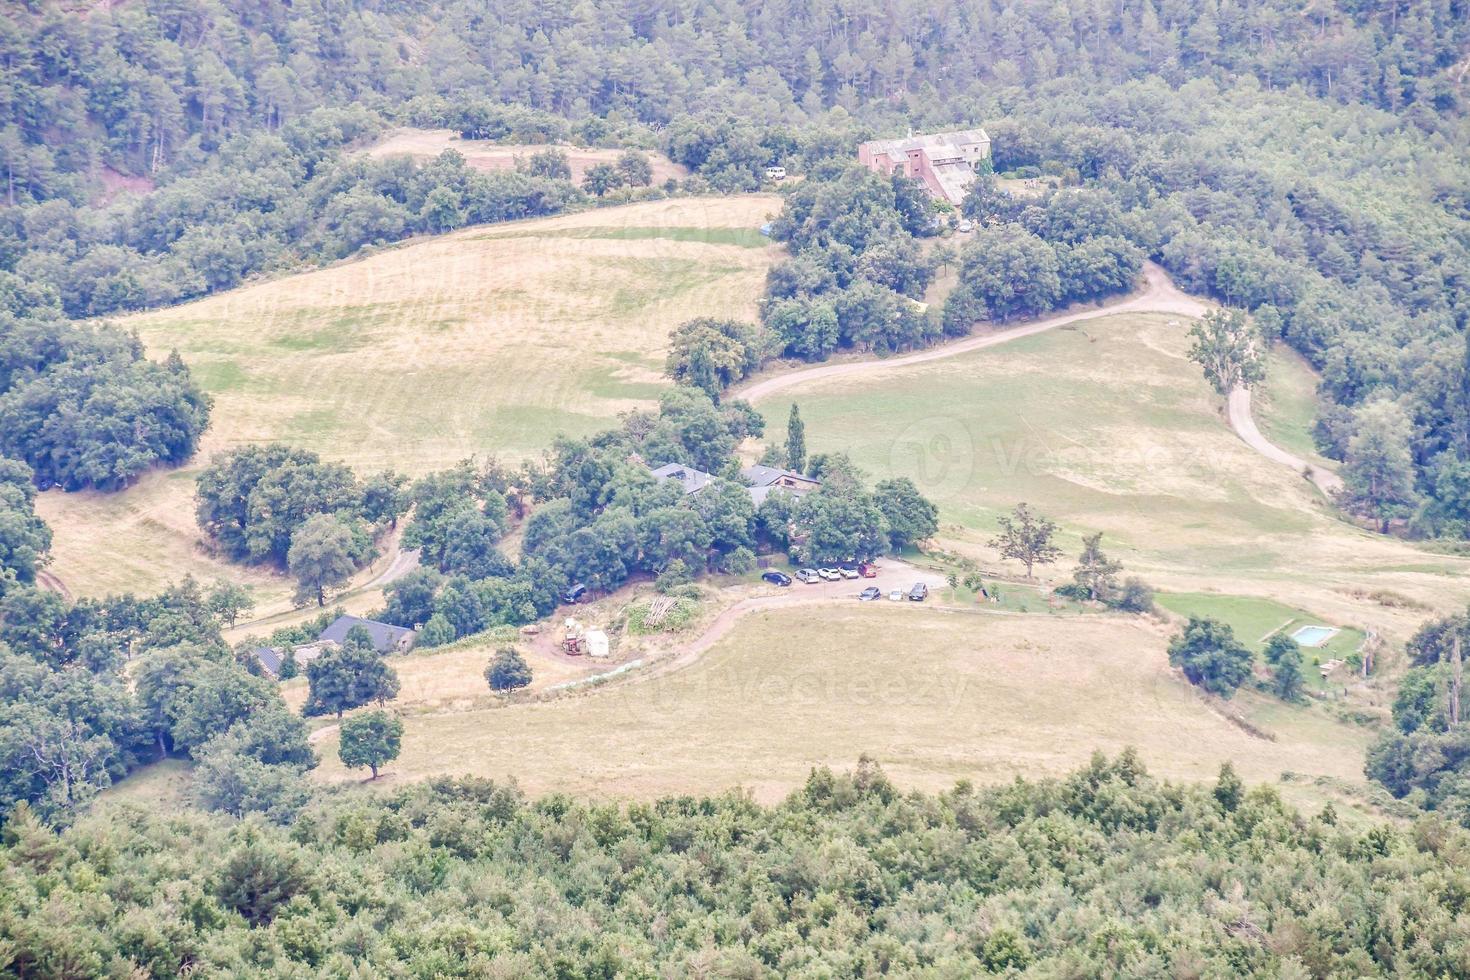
809,575
848,572
868,570
967,225
896,595
831,574
919,592
573,594
776,578
870,593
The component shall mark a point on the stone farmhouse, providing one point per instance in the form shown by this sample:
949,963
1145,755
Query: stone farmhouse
760,480
944,162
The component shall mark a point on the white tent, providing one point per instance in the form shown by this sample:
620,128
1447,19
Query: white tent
596,643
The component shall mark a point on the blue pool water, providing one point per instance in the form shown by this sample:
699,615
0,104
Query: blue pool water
1313,636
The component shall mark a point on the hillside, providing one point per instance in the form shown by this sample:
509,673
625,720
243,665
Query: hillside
488,341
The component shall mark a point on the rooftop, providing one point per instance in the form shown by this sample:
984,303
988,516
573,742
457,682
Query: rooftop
692,479
938,146
270,658
385,636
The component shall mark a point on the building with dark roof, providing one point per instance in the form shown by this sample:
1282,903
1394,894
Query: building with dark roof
691,479
270,659
763,479
386,638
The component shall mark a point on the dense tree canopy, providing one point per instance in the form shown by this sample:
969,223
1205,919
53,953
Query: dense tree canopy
1104,872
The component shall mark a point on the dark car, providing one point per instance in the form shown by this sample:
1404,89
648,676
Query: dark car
870,593
573,594
919,592
776,578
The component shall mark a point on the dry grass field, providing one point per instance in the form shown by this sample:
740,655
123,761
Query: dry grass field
933,695
490,341
425,144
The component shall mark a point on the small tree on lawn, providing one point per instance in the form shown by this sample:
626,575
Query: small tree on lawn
1228,347
1027,538
1096,572
371,739
321,557
1210,656
1287,677
229,602
508,671
1278,646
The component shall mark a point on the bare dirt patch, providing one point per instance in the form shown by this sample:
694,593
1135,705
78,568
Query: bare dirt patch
425,144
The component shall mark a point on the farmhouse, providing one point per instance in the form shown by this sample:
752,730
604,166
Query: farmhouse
761,480
386,638
944,162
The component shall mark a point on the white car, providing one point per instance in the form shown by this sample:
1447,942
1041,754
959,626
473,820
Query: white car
967,225
808,575
830,574
848,573
896,595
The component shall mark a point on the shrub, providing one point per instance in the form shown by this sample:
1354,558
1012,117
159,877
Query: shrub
508,671
1136,596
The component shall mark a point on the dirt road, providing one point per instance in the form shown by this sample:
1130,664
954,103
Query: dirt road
50,582
1159,295
892,574
401,564
1244,425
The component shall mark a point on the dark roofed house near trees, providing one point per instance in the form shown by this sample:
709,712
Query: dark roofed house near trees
386,638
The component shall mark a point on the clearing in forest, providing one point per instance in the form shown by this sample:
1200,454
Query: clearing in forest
490,340
425,144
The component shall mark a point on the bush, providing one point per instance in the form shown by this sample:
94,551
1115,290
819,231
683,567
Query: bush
1136,596
437,632
738,562
508,671
675,576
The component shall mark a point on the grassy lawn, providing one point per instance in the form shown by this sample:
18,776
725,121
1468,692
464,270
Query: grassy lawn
1285,406
1106,426
161,785
1254,619
934,695
490,341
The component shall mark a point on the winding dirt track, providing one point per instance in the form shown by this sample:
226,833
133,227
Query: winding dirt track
1158,295
1244,425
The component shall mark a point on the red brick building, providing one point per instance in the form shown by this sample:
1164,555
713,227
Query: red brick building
945,162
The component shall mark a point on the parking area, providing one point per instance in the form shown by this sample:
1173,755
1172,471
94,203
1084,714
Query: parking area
893,575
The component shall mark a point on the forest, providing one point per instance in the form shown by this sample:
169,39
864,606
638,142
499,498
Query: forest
1106,871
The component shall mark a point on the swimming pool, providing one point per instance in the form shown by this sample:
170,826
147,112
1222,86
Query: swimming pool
1314,636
